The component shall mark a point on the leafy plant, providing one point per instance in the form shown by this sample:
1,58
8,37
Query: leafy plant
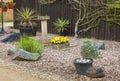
11,3
89,50
59,40
25,15
3,5
61,24
30,45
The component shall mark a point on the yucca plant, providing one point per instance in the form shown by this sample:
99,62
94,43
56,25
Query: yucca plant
25,15
61,24
30,45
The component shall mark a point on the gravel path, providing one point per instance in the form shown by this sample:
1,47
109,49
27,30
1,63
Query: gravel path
59,63
8,74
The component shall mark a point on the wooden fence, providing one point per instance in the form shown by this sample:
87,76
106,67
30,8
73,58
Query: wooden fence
62,9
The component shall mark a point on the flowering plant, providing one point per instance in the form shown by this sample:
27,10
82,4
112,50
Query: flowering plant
59,40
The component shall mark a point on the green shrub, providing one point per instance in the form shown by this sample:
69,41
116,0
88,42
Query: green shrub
30,45
89,50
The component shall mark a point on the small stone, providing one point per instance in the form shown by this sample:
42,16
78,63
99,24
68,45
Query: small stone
101,45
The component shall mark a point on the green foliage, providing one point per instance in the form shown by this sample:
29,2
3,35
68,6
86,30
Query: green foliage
30,45
6,20
88,50
11,3
3,5
25,15
61,24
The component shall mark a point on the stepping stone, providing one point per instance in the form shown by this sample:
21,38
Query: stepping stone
95,72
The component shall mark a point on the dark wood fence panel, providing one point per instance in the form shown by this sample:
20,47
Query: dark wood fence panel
62,9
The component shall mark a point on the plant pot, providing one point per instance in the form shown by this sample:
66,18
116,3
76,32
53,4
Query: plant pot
10,7
4,9
82,67
28,30
60,46
63,33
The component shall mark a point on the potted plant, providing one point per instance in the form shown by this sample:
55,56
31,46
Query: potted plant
88,52
59,42
4,6
11,4
27,26
61,26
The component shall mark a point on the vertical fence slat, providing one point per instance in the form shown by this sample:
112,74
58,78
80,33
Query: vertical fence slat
61,9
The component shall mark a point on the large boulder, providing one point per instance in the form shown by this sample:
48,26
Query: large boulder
22,54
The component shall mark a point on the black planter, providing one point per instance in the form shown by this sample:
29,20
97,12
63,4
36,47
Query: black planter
63,33
81,68
28,30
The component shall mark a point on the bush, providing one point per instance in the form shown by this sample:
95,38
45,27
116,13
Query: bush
30,45
89,50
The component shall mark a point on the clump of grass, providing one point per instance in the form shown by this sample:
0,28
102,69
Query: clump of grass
30,45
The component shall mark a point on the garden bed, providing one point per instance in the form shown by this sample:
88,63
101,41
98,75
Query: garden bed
60,62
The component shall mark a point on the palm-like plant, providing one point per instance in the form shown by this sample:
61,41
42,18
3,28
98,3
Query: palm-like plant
25,15
61,24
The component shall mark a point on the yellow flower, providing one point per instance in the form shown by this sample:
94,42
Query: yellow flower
59,40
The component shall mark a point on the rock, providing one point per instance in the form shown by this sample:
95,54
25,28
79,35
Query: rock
12,37
95,72
12,51
101,45
22,54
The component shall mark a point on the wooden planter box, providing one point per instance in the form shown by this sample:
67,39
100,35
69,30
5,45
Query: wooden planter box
60,46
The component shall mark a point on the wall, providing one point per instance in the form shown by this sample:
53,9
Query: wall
9,14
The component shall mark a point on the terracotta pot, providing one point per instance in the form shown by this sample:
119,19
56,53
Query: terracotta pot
4,9
10,7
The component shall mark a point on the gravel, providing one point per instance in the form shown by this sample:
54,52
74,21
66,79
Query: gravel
59,62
